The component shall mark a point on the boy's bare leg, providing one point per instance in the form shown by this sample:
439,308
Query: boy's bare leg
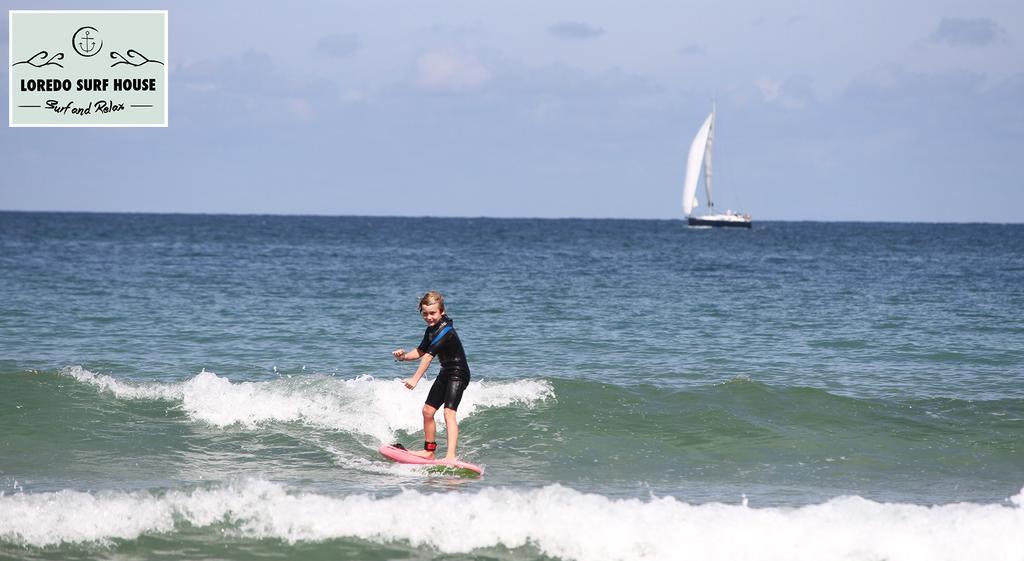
452,429
429,430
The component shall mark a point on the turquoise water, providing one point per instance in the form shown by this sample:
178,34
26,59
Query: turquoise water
215,387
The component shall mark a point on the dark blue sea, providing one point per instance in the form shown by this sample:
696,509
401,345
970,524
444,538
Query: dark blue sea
188,387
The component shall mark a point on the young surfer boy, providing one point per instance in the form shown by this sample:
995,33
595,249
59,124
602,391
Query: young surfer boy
439,340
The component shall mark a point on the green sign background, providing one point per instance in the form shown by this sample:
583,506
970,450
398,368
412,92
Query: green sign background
143,32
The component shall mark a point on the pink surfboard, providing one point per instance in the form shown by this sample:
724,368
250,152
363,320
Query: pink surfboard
405,457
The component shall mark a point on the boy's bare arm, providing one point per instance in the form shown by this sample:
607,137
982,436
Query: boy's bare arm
424,363
400,354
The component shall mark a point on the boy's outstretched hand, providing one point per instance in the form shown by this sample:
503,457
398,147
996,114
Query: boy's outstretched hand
399,354
410,383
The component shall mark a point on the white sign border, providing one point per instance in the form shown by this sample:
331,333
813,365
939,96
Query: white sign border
10,67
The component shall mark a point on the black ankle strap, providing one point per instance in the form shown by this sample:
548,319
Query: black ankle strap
429,446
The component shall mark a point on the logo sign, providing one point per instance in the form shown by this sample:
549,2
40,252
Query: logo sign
87,68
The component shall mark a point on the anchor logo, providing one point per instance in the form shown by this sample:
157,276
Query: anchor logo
85,41
88,43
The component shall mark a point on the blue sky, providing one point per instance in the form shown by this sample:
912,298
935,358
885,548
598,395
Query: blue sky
908,111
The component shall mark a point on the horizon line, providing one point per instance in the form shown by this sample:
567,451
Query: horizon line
478,217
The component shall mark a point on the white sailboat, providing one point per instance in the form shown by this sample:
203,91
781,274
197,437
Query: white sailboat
700,155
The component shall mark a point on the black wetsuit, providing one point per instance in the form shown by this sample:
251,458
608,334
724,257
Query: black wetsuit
442,342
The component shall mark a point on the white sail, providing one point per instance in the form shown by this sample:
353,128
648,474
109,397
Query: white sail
707,158
693,165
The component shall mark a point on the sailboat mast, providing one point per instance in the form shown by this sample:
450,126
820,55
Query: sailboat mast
707,157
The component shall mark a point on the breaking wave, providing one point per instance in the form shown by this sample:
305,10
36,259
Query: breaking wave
364,405
555,520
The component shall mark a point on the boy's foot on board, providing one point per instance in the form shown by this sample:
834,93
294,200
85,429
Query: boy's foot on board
423,454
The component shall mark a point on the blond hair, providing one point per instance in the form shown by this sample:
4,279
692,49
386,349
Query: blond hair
432,297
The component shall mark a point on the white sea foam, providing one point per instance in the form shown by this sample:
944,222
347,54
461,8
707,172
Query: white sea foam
364,405
123,390
558,521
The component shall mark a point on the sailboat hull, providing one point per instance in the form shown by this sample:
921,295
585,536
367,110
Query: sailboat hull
730,222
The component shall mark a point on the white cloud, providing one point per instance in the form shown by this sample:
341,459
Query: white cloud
339,45
450,72
770,89
300,109
354,96
691,50
793,93
202,87
575,30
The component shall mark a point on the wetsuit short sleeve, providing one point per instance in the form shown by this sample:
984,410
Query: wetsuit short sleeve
425,343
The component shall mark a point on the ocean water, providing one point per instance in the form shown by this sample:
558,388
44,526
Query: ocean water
215,387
